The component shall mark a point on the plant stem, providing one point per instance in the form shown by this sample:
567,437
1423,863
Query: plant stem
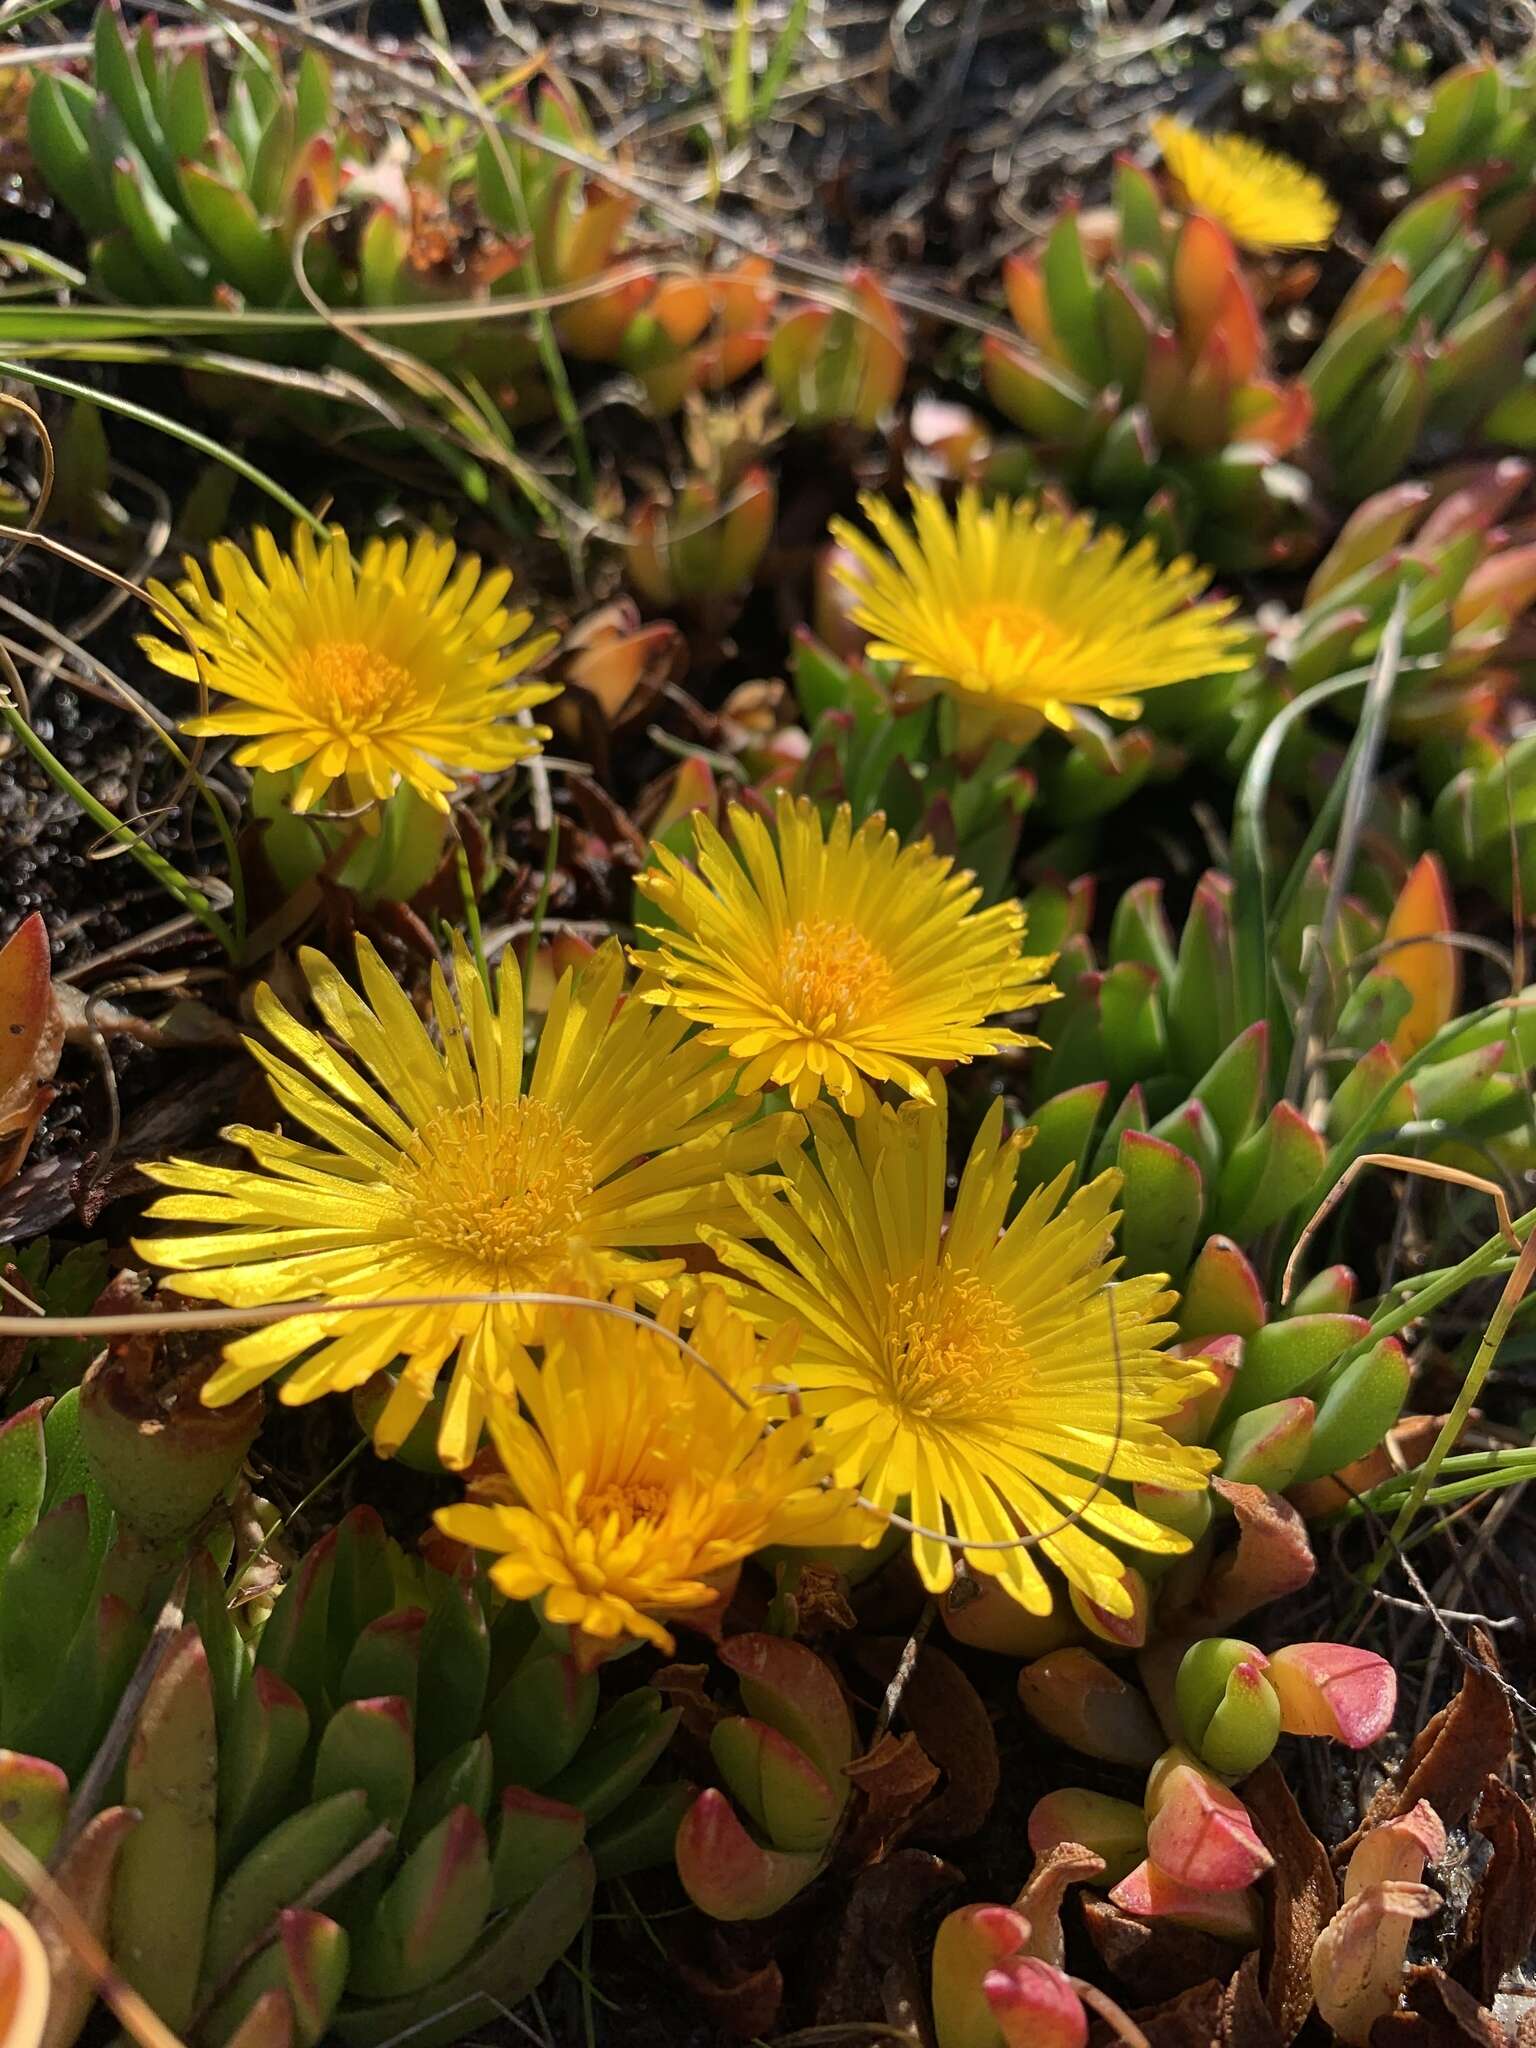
1498,1323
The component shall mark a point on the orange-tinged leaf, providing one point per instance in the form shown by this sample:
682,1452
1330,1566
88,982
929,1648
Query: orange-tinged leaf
1238,320
744,296
1204,266
31,1038
1024,288
1430,972
681,309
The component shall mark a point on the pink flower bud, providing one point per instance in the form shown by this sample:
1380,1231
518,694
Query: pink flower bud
969,1943
1035,2006
1334,1689
1151,1894
1200,1833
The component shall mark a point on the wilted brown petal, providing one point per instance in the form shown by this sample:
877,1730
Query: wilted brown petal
1500,1923
1454,1754
1301,1896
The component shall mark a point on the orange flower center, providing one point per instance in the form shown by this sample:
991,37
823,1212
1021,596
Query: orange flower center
830,978
950,1345
499,1187
1002,638
348,684
630,1502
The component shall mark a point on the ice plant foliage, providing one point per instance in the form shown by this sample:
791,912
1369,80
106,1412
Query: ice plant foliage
637,1482
988,1379
1024,616
1262,199
828,958
357,673
442,1169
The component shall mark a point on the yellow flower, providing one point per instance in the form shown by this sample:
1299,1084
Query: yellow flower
1261,198
1022,614
834,957
636,1483
393,667
439,1171
972,1376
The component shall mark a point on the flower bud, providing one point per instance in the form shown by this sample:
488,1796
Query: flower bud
1199,1833
1078,1699
970,1942
1114,1829
1227,1706
1334,1689
1151,1894
1035,2006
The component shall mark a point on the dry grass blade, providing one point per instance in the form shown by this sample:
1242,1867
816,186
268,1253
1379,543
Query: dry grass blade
1428,1169
138,2020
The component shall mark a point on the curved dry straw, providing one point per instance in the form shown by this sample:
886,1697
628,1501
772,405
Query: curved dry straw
135,1322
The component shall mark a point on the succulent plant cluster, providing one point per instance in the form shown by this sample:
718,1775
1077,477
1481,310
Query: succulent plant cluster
1429,342
183,206
817,1129
386,1739
1145,379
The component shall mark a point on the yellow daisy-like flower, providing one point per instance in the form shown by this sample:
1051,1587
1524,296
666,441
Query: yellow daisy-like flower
1261,198
972,1376
440,1171
636,1483
836,957
1023,615
393,667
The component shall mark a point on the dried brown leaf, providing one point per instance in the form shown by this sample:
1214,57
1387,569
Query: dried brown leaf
1245,2020
1154,1959
1272,1557
1189,2021
683,1686
1454,1754
739,2000
1041,1901
1437,2014
895,1778
1500,1923
820,1596
1300,1897
875,1935
946,1714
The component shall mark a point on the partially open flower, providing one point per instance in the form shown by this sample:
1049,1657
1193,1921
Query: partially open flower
1261,198
637,1480
1024,616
